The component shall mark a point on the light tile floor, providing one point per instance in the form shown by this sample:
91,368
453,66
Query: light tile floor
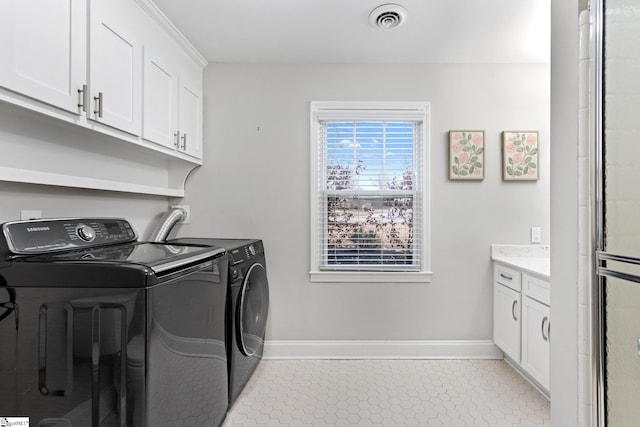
444,393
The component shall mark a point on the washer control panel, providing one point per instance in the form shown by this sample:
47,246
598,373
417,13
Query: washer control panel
245,252
52,235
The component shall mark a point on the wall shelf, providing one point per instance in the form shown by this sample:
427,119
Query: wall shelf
62,180
43,150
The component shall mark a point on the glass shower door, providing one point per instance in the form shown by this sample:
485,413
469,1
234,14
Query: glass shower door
618,265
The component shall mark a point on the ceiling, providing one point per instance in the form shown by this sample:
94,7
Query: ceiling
338,31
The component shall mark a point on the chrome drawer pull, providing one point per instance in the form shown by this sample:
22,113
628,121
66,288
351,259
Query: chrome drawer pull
504,276
513,310
545,319
98,100
82,98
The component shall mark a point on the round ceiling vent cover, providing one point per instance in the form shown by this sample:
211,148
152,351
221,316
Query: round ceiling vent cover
388,16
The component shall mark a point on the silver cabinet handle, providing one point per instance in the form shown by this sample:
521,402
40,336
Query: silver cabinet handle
513,310
98,100
504,276
549,330
183,146
544,319
82,98
176,139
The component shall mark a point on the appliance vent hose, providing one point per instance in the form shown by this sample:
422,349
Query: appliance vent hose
167,222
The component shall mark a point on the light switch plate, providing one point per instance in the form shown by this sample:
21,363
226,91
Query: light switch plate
536,234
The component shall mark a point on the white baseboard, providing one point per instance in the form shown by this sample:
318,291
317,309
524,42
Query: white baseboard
302,349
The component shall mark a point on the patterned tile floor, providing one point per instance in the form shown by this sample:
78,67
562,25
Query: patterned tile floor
408,393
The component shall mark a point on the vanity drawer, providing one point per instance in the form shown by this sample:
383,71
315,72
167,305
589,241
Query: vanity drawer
507,276
536,288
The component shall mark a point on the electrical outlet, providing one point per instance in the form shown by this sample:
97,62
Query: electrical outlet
187,208
535,234
33,214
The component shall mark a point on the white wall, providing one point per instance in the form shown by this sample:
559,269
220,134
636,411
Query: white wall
141,211
564,213
54,141
255,183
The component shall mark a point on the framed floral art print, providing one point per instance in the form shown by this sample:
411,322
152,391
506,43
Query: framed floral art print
520,156
466,155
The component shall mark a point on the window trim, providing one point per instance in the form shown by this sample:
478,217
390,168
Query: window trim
424,274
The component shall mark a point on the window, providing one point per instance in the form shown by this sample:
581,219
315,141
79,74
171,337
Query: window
370,199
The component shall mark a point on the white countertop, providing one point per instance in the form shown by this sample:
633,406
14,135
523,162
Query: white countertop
532,259
538,266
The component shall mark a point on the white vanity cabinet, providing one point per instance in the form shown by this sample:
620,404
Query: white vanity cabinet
506,311
536,328
43,46
522,322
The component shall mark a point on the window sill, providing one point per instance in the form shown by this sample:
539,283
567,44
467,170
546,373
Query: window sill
370,277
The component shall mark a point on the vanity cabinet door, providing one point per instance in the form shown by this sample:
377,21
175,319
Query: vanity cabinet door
536,335
506,320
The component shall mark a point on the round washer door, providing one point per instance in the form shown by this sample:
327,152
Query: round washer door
252,310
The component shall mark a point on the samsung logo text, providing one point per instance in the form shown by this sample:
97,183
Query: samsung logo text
32,229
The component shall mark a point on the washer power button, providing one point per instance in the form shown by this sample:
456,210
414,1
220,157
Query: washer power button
86,233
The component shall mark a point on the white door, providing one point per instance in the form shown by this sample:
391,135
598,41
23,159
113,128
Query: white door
115,69
160,123
506,320
536,331
191,114
43,45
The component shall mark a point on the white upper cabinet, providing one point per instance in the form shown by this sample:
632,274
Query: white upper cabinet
43,47
190,111
115,65
117,68
172,101
160,123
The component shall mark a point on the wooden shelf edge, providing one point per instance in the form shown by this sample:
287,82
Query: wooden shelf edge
55,179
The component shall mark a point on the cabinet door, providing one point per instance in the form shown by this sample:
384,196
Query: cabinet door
191,113
506,320
115,67
536,329
43,45
160,124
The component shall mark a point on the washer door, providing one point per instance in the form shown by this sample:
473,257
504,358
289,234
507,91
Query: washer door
253,306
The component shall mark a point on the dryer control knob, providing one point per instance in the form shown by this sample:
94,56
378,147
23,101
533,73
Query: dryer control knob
86,233
252,250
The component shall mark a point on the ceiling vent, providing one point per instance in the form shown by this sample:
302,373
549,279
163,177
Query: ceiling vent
388,16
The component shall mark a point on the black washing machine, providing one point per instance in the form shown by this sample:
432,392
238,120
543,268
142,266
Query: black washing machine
98,329
247,308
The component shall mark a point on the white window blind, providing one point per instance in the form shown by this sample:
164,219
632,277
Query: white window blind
369,189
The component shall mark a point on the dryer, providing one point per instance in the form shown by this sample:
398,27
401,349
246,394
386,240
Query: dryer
247,306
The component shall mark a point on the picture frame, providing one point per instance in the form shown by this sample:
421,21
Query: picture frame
466,155
520,155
